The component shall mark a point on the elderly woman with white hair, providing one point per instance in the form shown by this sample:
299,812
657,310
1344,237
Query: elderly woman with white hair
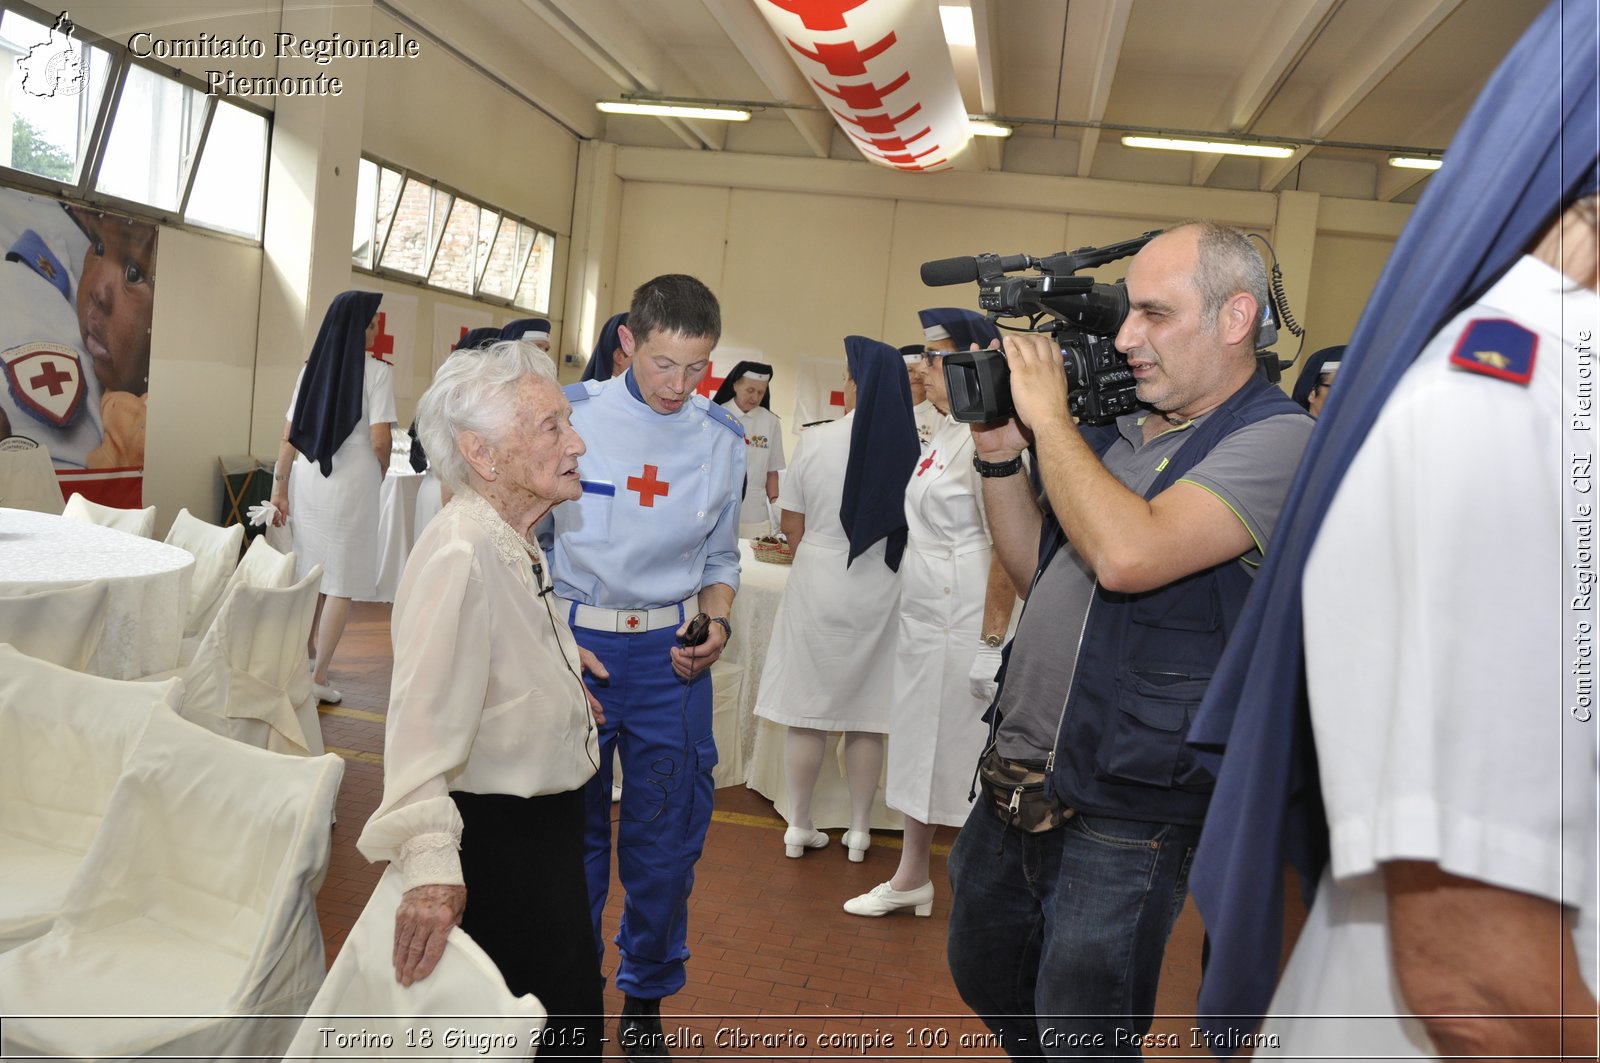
490,735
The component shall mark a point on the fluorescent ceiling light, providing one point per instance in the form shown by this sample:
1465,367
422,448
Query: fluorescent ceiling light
958,30
1215,147
1415,162
673,110
982,127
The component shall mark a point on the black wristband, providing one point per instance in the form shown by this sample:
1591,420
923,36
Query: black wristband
727,628
993,469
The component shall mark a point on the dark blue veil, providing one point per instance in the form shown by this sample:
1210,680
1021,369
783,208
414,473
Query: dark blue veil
328,406
883,450
1527,146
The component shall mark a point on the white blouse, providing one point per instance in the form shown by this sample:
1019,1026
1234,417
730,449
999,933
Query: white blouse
486,695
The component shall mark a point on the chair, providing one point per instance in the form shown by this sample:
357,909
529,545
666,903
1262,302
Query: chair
28,476
216,555
361,986
133,521
60,626
64,737
191,928
248,679
261,566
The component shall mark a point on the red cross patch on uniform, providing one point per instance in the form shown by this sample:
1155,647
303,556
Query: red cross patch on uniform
47,381
1498,348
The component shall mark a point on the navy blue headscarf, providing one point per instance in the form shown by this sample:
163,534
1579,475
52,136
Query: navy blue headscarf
600,366
883,450
966,327
725,391
1528,145
329,404
518,329
1312,372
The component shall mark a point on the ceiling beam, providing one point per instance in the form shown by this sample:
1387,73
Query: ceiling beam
756,42
1373,57
625,54
1291,27
498,59
1095,32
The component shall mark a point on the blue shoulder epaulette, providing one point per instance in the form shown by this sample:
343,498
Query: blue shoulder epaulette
1497,347
581,391
720,415
31,250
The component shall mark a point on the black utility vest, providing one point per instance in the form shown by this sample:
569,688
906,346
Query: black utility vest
1145,659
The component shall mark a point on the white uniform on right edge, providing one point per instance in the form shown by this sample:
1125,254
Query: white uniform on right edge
936,729
1438,635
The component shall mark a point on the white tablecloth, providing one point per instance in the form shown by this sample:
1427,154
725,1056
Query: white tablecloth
397,504
149,584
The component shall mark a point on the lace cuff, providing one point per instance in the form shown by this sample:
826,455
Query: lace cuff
429,860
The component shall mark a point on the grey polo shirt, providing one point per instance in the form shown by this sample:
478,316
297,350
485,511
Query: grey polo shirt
1250,471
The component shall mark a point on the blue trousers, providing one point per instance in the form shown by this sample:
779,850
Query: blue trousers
662,728
1056,939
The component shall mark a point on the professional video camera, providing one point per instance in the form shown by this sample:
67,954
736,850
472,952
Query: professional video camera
1082,315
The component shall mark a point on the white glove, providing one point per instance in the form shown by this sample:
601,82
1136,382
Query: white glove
984,666
263,513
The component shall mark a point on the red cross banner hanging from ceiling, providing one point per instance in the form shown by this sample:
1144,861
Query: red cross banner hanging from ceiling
883,70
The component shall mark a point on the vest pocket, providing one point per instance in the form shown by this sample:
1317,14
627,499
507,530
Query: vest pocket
1144,743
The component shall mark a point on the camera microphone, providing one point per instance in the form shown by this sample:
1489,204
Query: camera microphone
964,270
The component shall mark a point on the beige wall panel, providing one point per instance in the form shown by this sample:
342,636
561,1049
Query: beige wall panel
669,229
202,370
1343,277
927,231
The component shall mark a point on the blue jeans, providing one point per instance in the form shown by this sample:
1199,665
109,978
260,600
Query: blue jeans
1056,938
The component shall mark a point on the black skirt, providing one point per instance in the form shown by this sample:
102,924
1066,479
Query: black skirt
528,908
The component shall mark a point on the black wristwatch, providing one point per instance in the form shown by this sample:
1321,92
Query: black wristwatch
993,469
727,628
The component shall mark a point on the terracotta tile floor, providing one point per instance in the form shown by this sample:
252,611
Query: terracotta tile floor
773,954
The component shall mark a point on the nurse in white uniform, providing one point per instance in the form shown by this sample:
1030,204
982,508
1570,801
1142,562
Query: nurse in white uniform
336,442
936,728
744,394
829,666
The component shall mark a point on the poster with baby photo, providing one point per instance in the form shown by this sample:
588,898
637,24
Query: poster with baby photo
77,287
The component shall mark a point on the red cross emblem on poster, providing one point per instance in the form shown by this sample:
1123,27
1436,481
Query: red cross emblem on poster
383,342
648,486
47,380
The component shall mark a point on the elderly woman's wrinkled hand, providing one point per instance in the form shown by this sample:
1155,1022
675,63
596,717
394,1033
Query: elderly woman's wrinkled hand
591,666
422,926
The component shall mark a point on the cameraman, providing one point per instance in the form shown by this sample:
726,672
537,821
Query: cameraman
1064,898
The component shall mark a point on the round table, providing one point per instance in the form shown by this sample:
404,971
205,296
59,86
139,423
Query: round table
149,584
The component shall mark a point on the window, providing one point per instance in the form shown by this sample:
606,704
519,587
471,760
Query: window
52,92
155,135
89,122
409,225
229,188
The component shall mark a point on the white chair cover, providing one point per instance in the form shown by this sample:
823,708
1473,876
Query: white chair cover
216,555
60,626
28,477
133,521
430,499
64,737
464,992
190,929
261,566
248,680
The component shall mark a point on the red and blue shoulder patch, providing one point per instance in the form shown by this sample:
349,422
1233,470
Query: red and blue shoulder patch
1497,347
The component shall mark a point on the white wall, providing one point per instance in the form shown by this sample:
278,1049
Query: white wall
802,253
